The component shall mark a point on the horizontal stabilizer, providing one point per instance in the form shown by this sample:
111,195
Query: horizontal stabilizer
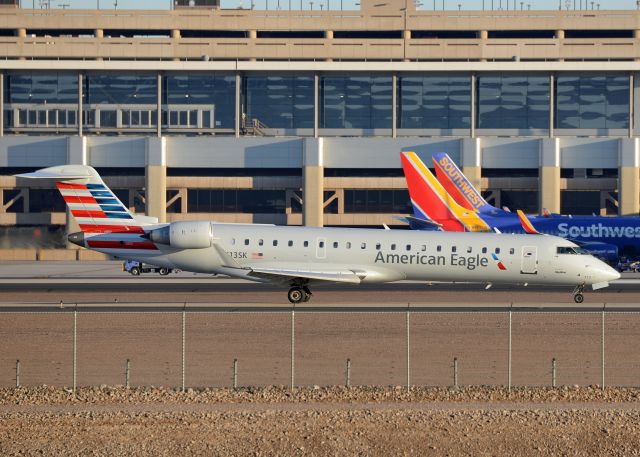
421,224
61,173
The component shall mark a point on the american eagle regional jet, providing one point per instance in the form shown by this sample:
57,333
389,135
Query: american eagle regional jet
299,257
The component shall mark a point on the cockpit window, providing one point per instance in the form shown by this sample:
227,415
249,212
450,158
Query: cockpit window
571,250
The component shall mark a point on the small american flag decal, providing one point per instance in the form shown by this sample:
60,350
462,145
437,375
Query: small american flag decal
257,255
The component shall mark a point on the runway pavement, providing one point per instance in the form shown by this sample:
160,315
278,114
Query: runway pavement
94,284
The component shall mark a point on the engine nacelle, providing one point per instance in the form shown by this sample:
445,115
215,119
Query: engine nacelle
184,235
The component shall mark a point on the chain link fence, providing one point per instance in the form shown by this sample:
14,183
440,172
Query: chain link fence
75,347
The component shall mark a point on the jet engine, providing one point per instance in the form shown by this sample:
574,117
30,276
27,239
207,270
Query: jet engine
184,235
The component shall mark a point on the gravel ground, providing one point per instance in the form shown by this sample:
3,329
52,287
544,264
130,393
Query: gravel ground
320,421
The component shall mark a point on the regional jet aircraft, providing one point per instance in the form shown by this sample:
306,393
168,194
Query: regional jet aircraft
298,257
457,205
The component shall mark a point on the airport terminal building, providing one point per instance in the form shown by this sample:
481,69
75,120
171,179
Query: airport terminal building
297,117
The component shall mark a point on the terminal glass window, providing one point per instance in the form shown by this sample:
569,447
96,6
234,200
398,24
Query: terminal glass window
199,101
580,202
236,201
434,102
513,102
376,201
592,102
115,100
284,102
357,102
45,201
40,99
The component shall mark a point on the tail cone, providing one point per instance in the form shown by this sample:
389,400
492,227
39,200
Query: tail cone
76,238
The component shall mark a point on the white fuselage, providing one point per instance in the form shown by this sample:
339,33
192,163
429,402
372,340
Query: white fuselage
381,255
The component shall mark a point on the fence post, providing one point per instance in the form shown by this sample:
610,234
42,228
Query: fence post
509,364
17,373
602,347
455,373
553,372
408,351
348,373
127,373
75,347
184,328
235,374
293,347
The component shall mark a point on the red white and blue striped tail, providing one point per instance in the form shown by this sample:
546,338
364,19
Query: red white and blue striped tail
94,206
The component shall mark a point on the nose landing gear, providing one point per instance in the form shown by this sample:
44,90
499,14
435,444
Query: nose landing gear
577,294
299,294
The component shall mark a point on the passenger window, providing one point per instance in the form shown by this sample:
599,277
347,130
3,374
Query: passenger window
348,244
408,247
335,244
260,242
378,246
290,243
275,242
469,250
439,249
484,250
233,241
246,242
306,244
453,248
497,250
393,247
321,244
423,248
512,251
363,246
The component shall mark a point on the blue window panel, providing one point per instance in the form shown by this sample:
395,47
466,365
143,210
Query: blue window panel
280,101
112,208
101,193
434,102
204,89
599,101
361,102
513,101
118,216
95,186
41,87
120,88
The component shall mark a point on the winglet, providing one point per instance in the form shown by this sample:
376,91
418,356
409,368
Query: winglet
526,224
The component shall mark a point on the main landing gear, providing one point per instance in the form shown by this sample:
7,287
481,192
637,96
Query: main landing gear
577,294
299,294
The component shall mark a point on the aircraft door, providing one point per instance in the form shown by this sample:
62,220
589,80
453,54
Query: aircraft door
321,248
529,263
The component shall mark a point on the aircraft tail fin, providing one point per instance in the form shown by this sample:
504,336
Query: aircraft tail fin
95,207
431,201
458,185
526,224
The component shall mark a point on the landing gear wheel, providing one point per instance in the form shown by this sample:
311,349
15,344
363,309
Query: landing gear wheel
163,271
307,294
578,298
296,295
135,271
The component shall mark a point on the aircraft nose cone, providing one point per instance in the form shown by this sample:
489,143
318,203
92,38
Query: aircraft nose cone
76,238
606,273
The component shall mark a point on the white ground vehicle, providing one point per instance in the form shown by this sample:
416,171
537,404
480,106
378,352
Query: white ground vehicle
137,268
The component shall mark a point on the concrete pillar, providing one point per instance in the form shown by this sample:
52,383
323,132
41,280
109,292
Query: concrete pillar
484,36
549,172
313,182
252,34
560,34
471,160
22,33
156,178
629,177
406,34
328,35
175,34
98,33
76,155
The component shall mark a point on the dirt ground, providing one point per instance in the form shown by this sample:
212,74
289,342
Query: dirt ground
315,421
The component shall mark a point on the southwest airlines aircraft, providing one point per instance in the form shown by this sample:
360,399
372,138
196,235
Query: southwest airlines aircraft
454,203
298,257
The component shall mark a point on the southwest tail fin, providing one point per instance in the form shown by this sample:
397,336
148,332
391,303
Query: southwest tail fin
527,226
459,186
431,201
95,207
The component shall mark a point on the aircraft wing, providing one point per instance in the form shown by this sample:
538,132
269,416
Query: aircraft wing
284,275
420,224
